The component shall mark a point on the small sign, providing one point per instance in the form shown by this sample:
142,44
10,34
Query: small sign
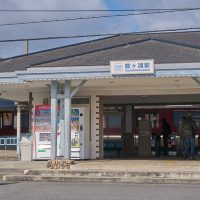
132,67
41,150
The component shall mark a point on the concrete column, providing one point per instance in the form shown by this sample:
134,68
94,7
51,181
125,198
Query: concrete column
67,119
18,130
100,120
95,142
30,106
54,85
128,136
128,118
62,128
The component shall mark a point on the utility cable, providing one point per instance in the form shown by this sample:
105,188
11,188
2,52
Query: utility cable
98,17
93,10
103,34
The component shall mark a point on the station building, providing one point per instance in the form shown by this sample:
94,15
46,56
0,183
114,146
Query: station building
116,79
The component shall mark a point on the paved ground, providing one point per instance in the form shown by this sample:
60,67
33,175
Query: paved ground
94,191
113,164
8,159
140,165
8,155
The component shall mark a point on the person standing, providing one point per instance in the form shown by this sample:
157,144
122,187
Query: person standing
166,131
188,127
182,139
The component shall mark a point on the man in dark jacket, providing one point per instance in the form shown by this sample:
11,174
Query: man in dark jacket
166,131
188,129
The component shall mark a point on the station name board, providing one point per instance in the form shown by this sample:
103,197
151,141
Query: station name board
132,67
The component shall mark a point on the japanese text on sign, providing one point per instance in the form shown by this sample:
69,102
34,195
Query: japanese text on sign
132,67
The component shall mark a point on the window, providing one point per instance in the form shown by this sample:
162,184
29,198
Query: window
24,120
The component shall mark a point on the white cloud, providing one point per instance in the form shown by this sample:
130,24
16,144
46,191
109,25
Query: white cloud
80,27
45,29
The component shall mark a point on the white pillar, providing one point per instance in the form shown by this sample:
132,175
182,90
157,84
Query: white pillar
67,119
30,106
18,130
62,128
53,119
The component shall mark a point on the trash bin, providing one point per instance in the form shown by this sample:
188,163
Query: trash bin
25,145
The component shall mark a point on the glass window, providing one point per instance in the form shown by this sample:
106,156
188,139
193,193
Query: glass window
24,120
115,120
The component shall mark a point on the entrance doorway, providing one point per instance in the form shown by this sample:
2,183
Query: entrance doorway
121,133
112,130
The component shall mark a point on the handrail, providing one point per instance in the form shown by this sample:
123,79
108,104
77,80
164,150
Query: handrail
8,141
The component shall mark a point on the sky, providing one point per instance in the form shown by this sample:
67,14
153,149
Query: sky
83,27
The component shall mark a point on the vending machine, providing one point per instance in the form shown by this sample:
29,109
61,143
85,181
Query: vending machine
79,133
42,133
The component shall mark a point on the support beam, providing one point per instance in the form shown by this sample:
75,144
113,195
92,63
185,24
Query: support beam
54,119
62,128
196,80
30,106
75,90
67,119
66,123
18,130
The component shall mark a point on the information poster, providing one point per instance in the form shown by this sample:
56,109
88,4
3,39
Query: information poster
7,119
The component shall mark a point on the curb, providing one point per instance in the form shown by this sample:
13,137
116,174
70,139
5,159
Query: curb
100,179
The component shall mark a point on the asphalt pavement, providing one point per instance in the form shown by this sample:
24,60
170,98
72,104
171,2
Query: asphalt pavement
94,191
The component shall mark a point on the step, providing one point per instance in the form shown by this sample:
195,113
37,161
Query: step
3,174
90,179
11,170
103,173
59,178
7,171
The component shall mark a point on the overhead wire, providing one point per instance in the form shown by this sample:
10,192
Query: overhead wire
101,34
94,10
98,17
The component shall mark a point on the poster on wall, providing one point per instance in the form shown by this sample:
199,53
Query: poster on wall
7,119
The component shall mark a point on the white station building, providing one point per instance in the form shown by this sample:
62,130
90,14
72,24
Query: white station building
129,70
